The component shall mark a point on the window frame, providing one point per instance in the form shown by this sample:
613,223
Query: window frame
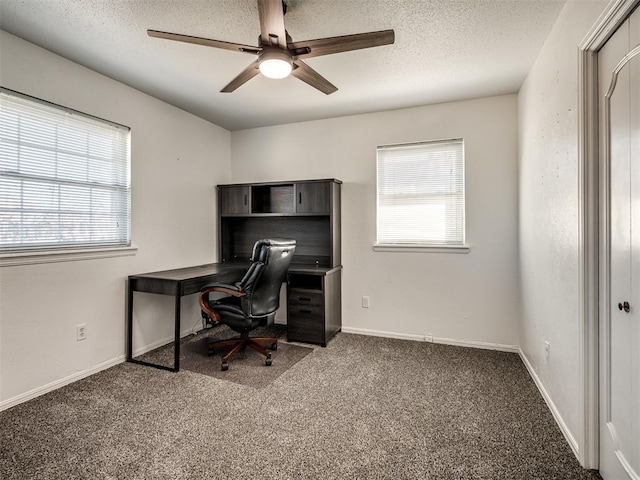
30,254
431,247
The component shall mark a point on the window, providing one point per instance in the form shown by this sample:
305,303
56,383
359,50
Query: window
420,199
64,177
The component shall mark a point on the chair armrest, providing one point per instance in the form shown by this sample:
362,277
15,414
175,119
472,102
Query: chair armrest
232,290
203,298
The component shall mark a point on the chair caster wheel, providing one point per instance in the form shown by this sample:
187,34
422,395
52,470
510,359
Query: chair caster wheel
274,346
224,367
267,362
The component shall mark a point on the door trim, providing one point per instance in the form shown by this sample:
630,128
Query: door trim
589,202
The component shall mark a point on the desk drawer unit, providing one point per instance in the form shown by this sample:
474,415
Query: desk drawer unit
313,306
305,322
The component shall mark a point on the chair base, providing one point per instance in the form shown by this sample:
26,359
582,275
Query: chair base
237,344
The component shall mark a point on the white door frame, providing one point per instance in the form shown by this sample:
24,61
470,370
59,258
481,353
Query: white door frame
589,221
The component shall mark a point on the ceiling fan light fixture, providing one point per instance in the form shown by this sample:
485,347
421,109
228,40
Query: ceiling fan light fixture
278,55
275,64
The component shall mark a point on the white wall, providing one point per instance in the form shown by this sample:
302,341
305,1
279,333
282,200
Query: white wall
472,297
548,184
177,160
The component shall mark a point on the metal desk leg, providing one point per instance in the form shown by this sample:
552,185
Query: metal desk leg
176,342
129,320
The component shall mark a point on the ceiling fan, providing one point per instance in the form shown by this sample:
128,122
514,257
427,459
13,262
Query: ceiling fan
278,55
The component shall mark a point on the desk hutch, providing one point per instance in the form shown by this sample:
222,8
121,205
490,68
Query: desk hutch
309,212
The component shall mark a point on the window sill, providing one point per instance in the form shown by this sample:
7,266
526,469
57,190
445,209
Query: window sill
422,248
63,255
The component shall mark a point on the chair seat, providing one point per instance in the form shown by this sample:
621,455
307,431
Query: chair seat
233,316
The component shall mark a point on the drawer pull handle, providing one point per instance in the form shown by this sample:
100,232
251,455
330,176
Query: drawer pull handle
305,311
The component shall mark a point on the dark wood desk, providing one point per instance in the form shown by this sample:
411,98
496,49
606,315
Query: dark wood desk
314,314
177,283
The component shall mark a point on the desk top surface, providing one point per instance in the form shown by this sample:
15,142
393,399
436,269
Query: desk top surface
188,273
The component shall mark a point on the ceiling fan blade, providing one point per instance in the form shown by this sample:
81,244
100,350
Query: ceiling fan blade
272,31
345,43
308,75
244,76
207,42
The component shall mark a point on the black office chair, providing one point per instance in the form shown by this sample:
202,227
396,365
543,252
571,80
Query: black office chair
252,301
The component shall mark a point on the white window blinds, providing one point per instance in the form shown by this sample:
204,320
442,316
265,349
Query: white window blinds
420,197
64,177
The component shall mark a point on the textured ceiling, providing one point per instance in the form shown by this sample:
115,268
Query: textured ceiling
445,50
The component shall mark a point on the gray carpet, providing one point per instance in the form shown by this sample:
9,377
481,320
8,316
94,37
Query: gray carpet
362,408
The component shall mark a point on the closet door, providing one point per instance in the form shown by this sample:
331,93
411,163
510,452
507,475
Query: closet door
619,93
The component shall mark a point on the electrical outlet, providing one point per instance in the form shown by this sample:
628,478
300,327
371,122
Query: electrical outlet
365,302
81,332
546,350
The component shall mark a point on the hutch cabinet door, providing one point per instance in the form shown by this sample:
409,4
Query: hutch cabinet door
234,200
313,197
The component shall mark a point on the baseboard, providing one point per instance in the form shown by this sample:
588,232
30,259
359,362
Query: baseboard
554,411
473,344
380,333
36,392
430,338
165,341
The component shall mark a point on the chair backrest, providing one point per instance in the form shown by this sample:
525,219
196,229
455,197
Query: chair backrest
270,261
